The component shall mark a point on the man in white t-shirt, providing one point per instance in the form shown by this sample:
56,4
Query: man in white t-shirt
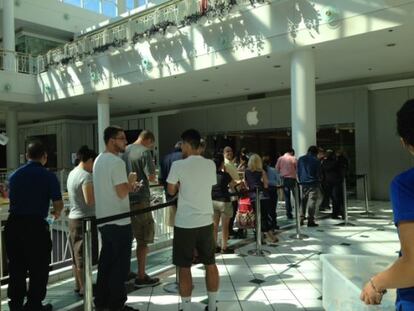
111,187
193,178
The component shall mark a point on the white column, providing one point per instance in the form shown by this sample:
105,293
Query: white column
12,152
303,101
8,35
103,118
121,5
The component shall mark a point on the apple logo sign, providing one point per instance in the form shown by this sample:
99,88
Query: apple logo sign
251,117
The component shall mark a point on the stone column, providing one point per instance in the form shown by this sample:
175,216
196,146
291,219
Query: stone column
9,35
303,101
103,118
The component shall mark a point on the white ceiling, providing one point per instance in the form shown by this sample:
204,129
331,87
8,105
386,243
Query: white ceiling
360,59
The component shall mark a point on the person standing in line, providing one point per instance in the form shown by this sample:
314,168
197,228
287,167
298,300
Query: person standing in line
286,166
221,204
193,178
27,235
111,187
230,167
309,173
138,159
400,274
166,163
165,167
255,177
274,182
332,178
82,205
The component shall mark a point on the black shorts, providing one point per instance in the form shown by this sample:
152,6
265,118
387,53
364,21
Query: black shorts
188,239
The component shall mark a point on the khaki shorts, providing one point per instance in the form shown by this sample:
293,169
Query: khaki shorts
171,211
76,242
142,224
224,208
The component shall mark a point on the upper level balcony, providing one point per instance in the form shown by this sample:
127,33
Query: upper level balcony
183,36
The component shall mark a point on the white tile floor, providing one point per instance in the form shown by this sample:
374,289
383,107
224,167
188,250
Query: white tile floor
291,274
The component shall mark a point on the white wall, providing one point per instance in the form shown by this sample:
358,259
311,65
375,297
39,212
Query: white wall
388,158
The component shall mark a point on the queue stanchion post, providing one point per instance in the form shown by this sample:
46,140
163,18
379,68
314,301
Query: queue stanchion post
1,254
298,235
258,251
87,251
365,184
173,287
346,222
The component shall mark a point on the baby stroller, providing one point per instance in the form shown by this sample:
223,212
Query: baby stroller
245,215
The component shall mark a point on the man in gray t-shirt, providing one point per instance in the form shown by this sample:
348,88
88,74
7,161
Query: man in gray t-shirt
78,180
138,159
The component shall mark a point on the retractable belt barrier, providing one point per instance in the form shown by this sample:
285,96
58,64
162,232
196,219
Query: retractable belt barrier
258,251
365,183
87,245
297,193
346,222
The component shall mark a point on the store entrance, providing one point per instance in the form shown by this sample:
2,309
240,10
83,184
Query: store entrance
275,142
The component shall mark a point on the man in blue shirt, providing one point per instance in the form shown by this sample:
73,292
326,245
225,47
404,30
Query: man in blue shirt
27,236
309,173
165,166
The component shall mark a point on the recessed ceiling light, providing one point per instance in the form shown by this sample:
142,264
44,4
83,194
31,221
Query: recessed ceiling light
390,30
175,77
316,78
246,89
217,67
151,90
206,80
268,56
391,44
369,69
276,66
313,47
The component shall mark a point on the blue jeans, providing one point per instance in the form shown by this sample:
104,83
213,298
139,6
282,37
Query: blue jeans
273,206
113,266
288,187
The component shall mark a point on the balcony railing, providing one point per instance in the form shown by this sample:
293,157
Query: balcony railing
20,62
155,21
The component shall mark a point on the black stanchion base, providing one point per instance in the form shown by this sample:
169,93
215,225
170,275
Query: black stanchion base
171,287
367,214
346,224
299,236
260,253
